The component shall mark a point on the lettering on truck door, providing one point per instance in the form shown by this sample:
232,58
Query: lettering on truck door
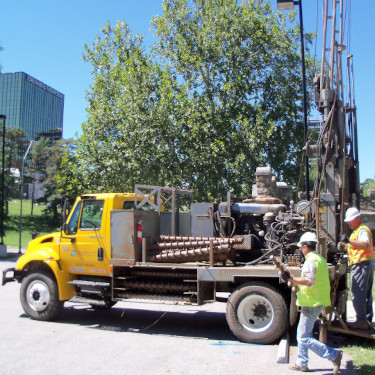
86,253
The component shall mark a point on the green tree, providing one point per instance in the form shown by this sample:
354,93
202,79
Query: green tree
15,147
45,161
368,184
219,95
244,68
131,135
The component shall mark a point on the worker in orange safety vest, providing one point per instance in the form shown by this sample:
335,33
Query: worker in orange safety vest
361,262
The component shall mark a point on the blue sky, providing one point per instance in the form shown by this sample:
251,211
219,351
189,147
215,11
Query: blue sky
45,38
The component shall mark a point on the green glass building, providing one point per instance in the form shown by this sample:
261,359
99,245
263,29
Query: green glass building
32,105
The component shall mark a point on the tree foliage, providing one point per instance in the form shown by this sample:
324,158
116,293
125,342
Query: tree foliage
368,184
15,147
218,94
45,161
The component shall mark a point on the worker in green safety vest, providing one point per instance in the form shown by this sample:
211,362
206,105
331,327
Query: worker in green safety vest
313,295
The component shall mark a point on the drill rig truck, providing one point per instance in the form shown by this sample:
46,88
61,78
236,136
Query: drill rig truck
143,245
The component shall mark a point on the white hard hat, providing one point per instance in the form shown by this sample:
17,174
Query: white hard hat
351,214
307,237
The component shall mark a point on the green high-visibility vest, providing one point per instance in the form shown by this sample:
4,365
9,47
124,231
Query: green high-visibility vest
320,293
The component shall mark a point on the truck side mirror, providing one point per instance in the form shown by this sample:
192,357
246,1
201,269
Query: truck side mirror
63,228
64,211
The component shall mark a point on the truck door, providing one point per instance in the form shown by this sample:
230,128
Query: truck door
83,246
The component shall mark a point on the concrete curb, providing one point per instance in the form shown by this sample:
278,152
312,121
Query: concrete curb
283,350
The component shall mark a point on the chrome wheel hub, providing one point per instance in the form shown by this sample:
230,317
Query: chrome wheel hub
38,295
255,313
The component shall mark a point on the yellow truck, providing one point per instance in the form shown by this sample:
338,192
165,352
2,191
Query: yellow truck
112,248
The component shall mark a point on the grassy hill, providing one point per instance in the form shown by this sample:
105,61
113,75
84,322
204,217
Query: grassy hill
39,221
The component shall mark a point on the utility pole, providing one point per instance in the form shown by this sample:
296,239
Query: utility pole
2,246
289,5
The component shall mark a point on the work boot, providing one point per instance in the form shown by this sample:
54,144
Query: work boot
359,325
337,363
299,368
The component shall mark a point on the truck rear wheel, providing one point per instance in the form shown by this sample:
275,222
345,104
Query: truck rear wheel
40,296
257,313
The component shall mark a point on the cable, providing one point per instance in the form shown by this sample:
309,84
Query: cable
156,321
261,257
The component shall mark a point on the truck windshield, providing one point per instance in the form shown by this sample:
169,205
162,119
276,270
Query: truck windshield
92,212
72,226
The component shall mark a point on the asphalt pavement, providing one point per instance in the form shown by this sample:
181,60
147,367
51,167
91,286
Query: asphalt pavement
135,338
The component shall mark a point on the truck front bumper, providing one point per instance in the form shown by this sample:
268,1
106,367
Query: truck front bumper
7,279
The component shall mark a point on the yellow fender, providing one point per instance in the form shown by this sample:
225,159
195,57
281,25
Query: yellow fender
42,254
50,258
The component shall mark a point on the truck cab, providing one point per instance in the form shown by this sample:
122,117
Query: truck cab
85,238
79,254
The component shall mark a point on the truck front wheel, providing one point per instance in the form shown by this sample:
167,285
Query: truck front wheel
40,296
257,313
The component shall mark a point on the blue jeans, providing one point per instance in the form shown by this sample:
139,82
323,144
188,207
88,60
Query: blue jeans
306,339
361,279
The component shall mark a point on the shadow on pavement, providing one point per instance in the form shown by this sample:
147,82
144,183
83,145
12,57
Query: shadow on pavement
12,257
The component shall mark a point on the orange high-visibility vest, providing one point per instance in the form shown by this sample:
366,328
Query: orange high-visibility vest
360,255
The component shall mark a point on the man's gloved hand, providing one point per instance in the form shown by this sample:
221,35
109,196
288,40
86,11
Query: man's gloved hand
285,275
343,238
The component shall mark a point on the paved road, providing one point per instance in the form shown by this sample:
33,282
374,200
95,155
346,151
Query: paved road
132,338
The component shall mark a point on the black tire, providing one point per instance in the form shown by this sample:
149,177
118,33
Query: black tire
40,296
257,313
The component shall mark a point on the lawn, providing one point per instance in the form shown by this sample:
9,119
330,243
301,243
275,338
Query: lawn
362,350
363,353
39,221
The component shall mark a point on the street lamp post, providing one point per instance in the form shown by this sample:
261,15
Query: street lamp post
23,164
288,5
2,120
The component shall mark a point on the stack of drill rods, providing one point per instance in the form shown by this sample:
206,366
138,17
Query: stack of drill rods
194,255
190,244
232,240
